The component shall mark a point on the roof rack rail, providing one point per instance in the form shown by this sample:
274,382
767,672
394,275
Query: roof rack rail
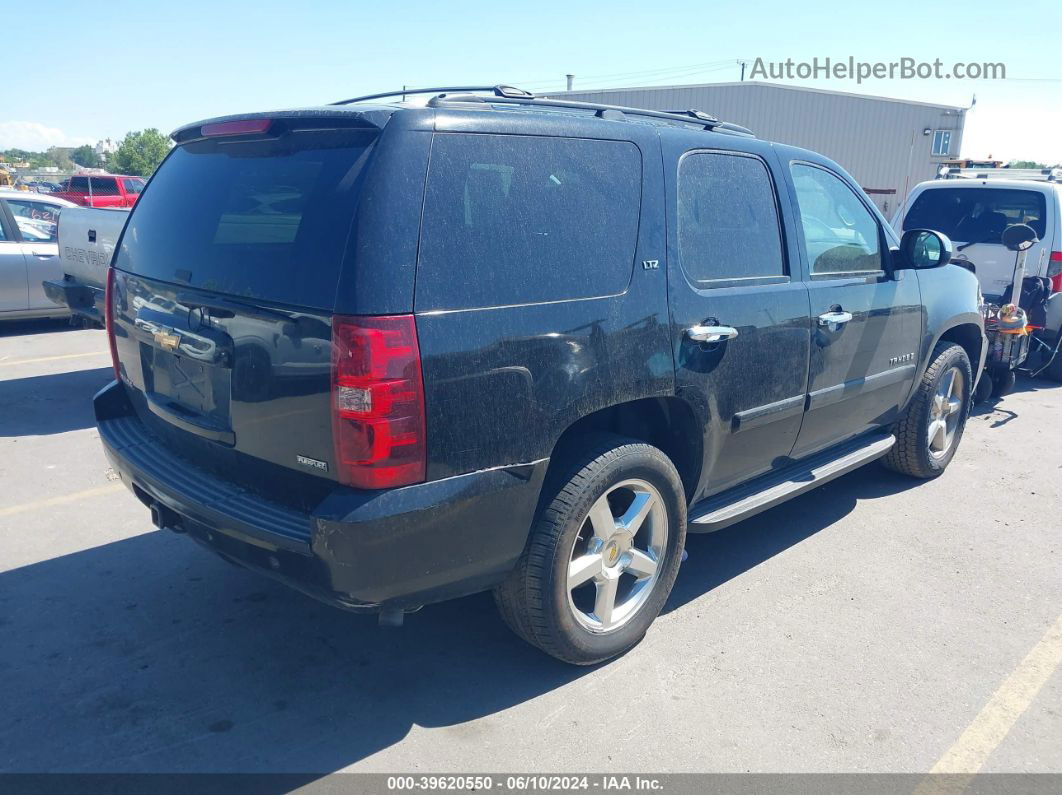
613,112
505,94
498,91
697,114
1053,174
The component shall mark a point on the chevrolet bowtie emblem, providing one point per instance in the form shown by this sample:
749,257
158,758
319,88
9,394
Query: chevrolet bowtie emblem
167,341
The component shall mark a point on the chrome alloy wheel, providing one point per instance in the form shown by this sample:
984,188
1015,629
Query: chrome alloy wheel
945,412
616,558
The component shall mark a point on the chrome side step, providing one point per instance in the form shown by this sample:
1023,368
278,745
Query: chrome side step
740,503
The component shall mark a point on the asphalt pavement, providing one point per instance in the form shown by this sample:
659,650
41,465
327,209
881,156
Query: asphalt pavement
877,624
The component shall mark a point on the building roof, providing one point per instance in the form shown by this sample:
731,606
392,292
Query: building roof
761,84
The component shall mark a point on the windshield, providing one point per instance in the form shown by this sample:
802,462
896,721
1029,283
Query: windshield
976,215
264,219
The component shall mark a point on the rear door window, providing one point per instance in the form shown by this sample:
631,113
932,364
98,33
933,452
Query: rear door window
266,220
520,219
727,219
976,215
104,186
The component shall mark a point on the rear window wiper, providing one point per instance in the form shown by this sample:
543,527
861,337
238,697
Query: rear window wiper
227,307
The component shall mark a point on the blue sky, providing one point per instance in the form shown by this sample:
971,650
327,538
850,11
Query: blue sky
143,64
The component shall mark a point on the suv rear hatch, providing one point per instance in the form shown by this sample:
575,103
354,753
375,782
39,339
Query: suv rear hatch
223,291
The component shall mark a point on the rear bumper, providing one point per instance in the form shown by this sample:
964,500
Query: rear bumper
82,299
359,550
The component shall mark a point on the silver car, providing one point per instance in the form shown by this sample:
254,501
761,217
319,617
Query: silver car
29,254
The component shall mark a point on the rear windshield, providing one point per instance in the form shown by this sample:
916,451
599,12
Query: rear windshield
976,215
267,220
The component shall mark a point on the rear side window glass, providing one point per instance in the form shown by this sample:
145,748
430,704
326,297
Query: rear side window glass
727,218
265,219
976,215
79,184
103,186
518,219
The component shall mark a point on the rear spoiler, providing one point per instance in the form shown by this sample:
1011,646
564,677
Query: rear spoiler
367,118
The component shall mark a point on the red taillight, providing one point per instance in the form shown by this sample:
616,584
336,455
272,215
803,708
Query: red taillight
1056,279
377,401
241,127
108,311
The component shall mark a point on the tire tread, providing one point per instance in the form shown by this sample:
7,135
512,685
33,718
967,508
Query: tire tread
520,599
907,455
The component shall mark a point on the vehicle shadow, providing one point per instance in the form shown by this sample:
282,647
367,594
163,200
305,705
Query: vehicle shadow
999,411
45,404
149,654
20,328
715,558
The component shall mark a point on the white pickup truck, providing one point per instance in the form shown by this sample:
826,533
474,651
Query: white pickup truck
87,238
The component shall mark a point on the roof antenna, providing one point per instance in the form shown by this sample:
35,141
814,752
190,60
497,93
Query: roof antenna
571,81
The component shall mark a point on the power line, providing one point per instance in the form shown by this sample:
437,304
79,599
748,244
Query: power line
613,75
646,74
667,79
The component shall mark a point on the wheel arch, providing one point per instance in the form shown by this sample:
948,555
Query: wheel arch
970,337
668,423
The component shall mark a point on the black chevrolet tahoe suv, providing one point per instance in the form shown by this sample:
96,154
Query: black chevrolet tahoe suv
391,354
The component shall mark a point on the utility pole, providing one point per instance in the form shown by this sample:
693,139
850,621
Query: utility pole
571,81
743,64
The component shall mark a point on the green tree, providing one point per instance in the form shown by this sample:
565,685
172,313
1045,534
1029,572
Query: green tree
139,153
1025,164
86,157
59,156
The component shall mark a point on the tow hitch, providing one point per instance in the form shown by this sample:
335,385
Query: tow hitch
165,519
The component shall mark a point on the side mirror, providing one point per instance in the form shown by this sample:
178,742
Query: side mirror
924,248
1019,237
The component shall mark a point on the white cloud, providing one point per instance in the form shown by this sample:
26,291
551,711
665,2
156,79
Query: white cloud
36,137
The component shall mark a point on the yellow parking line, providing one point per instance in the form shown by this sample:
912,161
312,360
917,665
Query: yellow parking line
53,358
110,488
997,718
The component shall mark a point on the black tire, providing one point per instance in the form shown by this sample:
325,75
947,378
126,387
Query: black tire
911,455
984,389
1054,370
534,600
1003,383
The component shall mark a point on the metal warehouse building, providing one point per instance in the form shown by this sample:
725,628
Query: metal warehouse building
888,145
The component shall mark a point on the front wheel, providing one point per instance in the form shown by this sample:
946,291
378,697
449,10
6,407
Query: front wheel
602,556
929,432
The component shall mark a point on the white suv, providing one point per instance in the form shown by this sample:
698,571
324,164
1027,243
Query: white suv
973,212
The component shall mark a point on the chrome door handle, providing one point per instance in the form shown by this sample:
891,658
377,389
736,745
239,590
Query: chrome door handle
711,333
834,320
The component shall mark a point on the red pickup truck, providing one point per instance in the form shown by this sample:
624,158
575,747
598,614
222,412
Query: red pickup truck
102,190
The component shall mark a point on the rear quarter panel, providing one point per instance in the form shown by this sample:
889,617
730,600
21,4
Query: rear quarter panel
503,383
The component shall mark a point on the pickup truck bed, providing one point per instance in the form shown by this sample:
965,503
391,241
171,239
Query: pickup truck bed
87,238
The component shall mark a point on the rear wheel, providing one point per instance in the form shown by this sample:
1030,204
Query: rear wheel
1003,383
930,430
1054,370
983,392
602,556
